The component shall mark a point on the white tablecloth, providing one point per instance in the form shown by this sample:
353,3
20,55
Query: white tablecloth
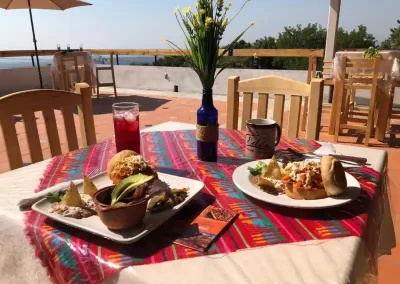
340,260
83,58
392,69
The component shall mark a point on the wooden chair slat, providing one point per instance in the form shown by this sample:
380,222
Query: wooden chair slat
70,130
11,140
247,108
294,117
315,105
37,100
27,103
274,85
279,106
32,134
262,109
232,103
85,112
52,132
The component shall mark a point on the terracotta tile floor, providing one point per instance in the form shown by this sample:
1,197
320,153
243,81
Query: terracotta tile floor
158,109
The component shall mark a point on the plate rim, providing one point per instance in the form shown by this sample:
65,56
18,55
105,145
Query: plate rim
69,221
235,176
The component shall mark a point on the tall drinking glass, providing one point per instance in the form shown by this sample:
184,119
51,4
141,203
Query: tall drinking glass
126,126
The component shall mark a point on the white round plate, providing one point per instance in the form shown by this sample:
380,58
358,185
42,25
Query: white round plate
241,177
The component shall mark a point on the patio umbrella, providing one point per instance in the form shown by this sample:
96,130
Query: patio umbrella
40,4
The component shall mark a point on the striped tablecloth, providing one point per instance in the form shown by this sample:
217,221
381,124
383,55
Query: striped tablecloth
72,256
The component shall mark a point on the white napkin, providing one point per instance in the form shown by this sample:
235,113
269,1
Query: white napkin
325,149
32,199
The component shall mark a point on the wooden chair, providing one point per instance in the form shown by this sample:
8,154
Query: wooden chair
27,103
279,86
70,71
103,68
353,77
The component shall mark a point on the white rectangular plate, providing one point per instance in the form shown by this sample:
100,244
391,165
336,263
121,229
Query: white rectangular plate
151,220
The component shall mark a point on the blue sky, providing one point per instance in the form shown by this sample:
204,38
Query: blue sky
144,23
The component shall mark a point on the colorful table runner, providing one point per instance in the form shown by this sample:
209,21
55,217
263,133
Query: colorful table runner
74,256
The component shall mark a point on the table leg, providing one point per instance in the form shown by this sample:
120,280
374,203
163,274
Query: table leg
383,115
335,102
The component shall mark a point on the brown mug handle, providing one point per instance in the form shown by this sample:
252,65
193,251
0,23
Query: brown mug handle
278,128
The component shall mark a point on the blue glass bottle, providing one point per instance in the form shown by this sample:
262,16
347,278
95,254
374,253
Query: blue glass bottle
207,115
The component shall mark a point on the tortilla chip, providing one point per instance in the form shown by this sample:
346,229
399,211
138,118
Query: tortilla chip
261,181
72,196
273,170
88,186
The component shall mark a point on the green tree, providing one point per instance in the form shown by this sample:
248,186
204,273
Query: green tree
238,62
310,36
393,42
356,39
267,62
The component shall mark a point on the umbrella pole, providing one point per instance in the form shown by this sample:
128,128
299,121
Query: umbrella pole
34,42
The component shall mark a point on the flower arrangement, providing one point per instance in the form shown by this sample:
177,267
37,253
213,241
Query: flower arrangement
203,30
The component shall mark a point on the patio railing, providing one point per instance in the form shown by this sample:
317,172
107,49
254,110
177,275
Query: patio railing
311,54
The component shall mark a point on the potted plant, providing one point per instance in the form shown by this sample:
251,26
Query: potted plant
203,30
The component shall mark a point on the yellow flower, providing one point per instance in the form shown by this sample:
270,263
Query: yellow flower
164,39
225,23
202,11
197,5
209,21
255,55
252,23
186,10
176,10
230,4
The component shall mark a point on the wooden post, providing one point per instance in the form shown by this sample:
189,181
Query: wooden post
315,106
85,112
233,103
333,21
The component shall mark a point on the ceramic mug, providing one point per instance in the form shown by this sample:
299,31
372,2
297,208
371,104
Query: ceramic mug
262,135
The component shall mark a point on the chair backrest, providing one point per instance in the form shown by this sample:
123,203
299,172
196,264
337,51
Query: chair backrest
26,103
280,87
360,68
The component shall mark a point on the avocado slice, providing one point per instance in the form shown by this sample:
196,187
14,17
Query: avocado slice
127,185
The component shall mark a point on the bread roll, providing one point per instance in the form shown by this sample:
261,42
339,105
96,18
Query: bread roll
333,176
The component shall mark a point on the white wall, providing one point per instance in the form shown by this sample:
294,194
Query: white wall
20,79
153,77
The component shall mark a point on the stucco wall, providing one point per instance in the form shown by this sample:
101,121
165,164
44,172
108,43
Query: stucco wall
140,77
153,78
20,79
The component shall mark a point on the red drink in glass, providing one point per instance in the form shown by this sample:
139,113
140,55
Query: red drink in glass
126,126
